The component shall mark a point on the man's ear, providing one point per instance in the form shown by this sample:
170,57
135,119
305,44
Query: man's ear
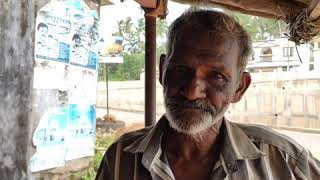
162,59
245,81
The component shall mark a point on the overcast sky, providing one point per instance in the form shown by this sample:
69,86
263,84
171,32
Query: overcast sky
113,13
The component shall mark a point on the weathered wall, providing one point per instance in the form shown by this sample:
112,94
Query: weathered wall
17,19
289,99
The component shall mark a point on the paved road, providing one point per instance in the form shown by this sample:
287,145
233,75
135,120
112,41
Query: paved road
308,140
127,117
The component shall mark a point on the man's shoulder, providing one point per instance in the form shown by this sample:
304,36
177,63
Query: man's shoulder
116,153
130,137
133,135
266,135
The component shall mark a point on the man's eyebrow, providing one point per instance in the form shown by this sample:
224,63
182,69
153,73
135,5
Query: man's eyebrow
208,53
200,51
176,64
220,68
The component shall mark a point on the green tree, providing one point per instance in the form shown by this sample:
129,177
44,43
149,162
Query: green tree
162,31
130,69
134,34
134,45
260,28
131,34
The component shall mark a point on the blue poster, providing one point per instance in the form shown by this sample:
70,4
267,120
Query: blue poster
82,121
67,32
65,81
81,131
85,37
53,33
49,137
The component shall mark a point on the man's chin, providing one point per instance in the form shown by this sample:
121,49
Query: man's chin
192,121
188,122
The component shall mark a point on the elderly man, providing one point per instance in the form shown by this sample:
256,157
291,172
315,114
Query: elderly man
202,73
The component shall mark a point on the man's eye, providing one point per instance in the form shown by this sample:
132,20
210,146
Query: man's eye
180,70
179,74
217,78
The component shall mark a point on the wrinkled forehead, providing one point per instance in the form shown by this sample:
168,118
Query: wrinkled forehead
198,39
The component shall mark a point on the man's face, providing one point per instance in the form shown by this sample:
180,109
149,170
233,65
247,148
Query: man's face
77,42
43,30
200,80
43,34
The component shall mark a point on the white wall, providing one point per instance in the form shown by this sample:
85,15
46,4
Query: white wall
278,60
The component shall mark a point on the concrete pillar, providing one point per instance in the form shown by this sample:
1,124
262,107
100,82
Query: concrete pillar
316,57
17,20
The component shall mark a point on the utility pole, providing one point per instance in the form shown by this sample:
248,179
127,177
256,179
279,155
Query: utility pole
153,9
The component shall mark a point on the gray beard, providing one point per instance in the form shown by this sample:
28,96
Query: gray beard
192,117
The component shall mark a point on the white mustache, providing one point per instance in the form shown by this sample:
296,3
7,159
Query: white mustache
196,104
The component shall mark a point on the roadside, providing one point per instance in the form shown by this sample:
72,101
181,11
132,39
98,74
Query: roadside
131,119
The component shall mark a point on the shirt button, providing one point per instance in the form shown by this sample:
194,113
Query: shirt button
229,166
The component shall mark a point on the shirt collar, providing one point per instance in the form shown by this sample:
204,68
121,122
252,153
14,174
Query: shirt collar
150,143
236,144
240,144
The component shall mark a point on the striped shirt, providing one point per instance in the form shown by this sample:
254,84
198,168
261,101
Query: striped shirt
249,152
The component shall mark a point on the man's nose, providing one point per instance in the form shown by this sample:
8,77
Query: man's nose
195,89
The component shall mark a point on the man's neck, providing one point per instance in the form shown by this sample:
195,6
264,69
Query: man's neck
192,147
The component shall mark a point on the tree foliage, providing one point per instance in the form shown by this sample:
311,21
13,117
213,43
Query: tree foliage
133,33
260,28
162,31
130,69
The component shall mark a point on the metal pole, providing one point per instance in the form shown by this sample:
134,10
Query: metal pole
99,8
107,89
106,71
150,70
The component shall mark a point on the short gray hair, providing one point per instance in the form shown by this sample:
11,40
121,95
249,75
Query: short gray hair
216,22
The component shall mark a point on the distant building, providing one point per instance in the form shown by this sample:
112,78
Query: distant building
280,55
315,55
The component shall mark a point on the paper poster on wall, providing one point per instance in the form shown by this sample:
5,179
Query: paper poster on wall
49,137
82,85
64,84
51,75
81,121
53,31
85,35
81,131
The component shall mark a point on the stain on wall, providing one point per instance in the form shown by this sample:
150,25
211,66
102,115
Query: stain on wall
17,20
